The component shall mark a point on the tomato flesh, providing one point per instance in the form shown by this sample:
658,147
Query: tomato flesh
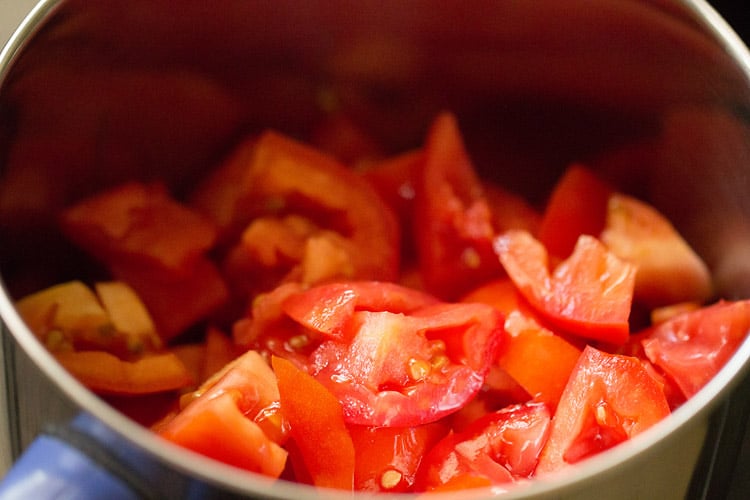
589,294
500,447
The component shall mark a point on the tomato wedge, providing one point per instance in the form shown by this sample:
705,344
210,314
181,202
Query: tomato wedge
394,364
226,418
452,219
577,205
387,458
692,347
317,427
498,448
588,295
608,399
105,373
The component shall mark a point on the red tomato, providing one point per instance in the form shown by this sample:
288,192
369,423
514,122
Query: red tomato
608,399
452,220
577,205
499,447
531,341
387,458
350,233
398,366
226,417
328,308
317,426
588,295
157,246
692,347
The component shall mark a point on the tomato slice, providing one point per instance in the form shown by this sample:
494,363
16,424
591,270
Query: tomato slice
397,365
500,447
226,417
317,427
387,458
452,220
608,399
669,271
105,373
272,177
692,347
588,295
577,205
328,308
528,340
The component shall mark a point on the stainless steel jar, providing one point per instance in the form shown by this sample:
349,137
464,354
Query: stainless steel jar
538,84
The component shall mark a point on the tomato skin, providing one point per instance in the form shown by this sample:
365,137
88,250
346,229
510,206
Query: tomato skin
317,427
588,295
608,399
452,219
692,347
387,458
577,205
528,340
328,308
225,417
500,447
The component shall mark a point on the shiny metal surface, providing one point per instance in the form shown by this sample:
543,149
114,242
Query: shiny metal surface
661,460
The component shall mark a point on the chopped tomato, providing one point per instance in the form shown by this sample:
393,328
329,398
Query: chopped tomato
328,308
692,347
105,373
577,205
669,271
401,367
142,223
317,426
225,418
500,447
609,398
272,177
156,245
395,179
501,294
453,222
529,340
176,302
588,295
387,458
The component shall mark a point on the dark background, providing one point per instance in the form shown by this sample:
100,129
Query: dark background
737,14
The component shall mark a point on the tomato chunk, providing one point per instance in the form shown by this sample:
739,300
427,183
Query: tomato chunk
225,418
499,448
396,364
453,221
317,427
692,347
589,294
388,457
577,205
608,399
